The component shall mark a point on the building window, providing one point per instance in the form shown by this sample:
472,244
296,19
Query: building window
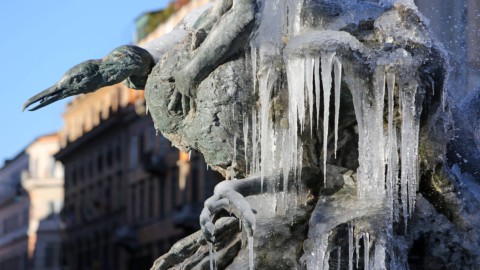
151,138
49,255
133,152
34,168
51,166
25,216
133,203
90,167
119,195
150,197
99,162
118,152
108,194
109,157
141,144
161,200
81,171
174,187
141,199
74,176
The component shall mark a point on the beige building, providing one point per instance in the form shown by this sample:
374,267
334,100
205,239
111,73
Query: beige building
32,191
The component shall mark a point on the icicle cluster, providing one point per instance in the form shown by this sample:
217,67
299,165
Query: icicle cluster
388,149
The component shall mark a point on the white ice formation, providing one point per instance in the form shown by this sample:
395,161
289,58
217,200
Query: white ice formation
384,93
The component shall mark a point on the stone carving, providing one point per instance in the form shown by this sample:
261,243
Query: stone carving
329,115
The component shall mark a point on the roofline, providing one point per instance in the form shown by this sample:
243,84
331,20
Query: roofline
8,161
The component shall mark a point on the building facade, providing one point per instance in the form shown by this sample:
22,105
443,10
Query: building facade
129,195
31,192
14,215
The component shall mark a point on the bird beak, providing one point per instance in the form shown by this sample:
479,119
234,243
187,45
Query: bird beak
44,98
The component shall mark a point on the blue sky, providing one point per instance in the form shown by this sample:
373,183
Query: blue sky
39,41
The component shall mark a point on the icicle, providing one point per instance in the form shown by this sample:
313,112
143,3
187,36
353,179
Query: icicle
254,142
338,81
357,248
409,150
392,150
326,265
296,113
366,254
309,64
286,164
379,256
326,65
339,257
211,256
294,18
350,246
245,139
432,84
250,253
234,148
266,82
254,67
318,88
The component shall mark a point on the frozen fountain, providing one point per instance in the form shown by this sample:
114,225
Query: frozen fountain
330,122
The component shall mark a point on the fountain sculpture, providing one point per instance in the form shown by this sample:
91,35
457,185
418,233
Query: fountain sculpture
329,121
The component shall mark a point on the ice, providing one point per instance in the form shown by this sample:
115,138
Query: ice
326,62
250,253
296,111
392,151
339,257
325,260
338,81
409,150
158,47
245,139
254,168
379,256
388,3
350,246
267,80
317,86
234,158
309,64
254,67
315,65
211,257
357,248
294,8
366,251
369,104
